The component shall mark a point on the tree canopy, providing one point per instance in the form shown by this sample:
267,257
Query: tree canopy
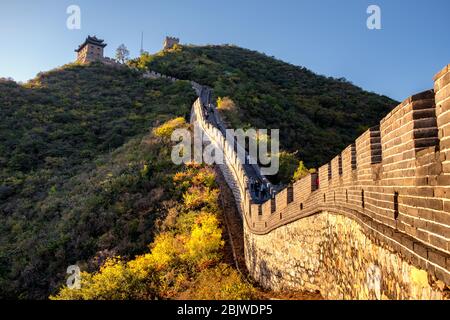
122,53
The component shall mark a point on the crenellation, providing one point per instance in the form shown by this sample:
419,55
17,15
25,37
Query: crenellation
256,211
323,177
442,89
392,184
336,171
266,209
348,160
375,145
364,158
281,200
303,188
170,43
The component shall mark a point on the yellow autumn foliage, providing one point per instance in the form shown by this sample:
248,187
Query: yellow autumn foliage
116,280
196,198
166,249
205,241
221,283
166,129
180,259
226,103
302,171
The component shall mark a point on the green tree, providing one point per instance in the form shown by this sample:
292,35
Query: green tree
122,53
288,164
302,171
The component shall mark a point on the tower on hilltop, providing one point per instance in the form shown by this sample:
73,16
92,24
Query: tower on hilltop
91,50
170,42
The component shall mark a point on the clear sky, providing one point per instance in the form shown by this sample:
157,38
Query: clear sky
329,37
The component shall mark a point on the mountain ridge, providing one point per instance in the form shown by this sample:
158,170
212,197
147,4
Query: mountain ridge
317,115
58,130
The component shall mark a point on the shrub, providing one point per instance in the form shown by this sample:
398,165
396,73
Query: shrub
225,104
116,280
205,242
196,198
302,171
288,165
182,259
165,130
221,283
229,111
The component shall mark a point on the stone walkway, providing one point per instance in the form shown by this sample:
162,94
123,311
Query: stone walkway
212,115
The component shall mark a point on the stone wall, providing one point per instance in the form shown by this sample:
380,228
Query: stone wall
90,53
232,168
150,74
170,42
332,253
393,182
156,75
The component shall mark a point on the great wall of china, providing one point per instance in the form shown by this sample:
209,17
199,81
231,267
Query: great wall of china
374,223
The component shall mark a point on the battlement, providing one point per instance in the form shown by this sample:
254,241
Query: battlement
170,42
442,91
394,180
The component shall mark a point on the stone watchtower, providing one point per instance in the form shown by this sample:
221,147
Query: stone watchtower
170,42
91,50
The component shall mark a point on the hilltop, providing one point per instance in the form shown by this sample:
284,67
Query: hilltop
317,116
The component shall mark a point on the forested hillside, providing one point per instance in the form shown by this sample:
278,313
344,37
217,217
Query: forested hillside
185,260
77,181
85,178
317,116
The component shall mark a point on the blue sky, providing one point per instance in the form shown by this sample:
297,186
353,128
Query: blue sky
329,37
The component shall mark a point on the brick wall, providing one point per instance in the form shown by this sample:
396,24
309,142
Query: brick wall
395,179
90,53
442,89
340,257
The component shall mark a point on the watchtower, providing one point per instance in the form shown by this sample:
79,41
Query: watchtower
170,42
91,50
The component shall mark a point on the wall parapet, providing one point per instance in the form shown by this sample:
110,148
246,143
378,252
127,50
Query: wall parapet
394,180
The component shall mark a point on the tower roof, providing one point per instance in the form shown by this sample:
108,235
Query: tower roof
91,40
